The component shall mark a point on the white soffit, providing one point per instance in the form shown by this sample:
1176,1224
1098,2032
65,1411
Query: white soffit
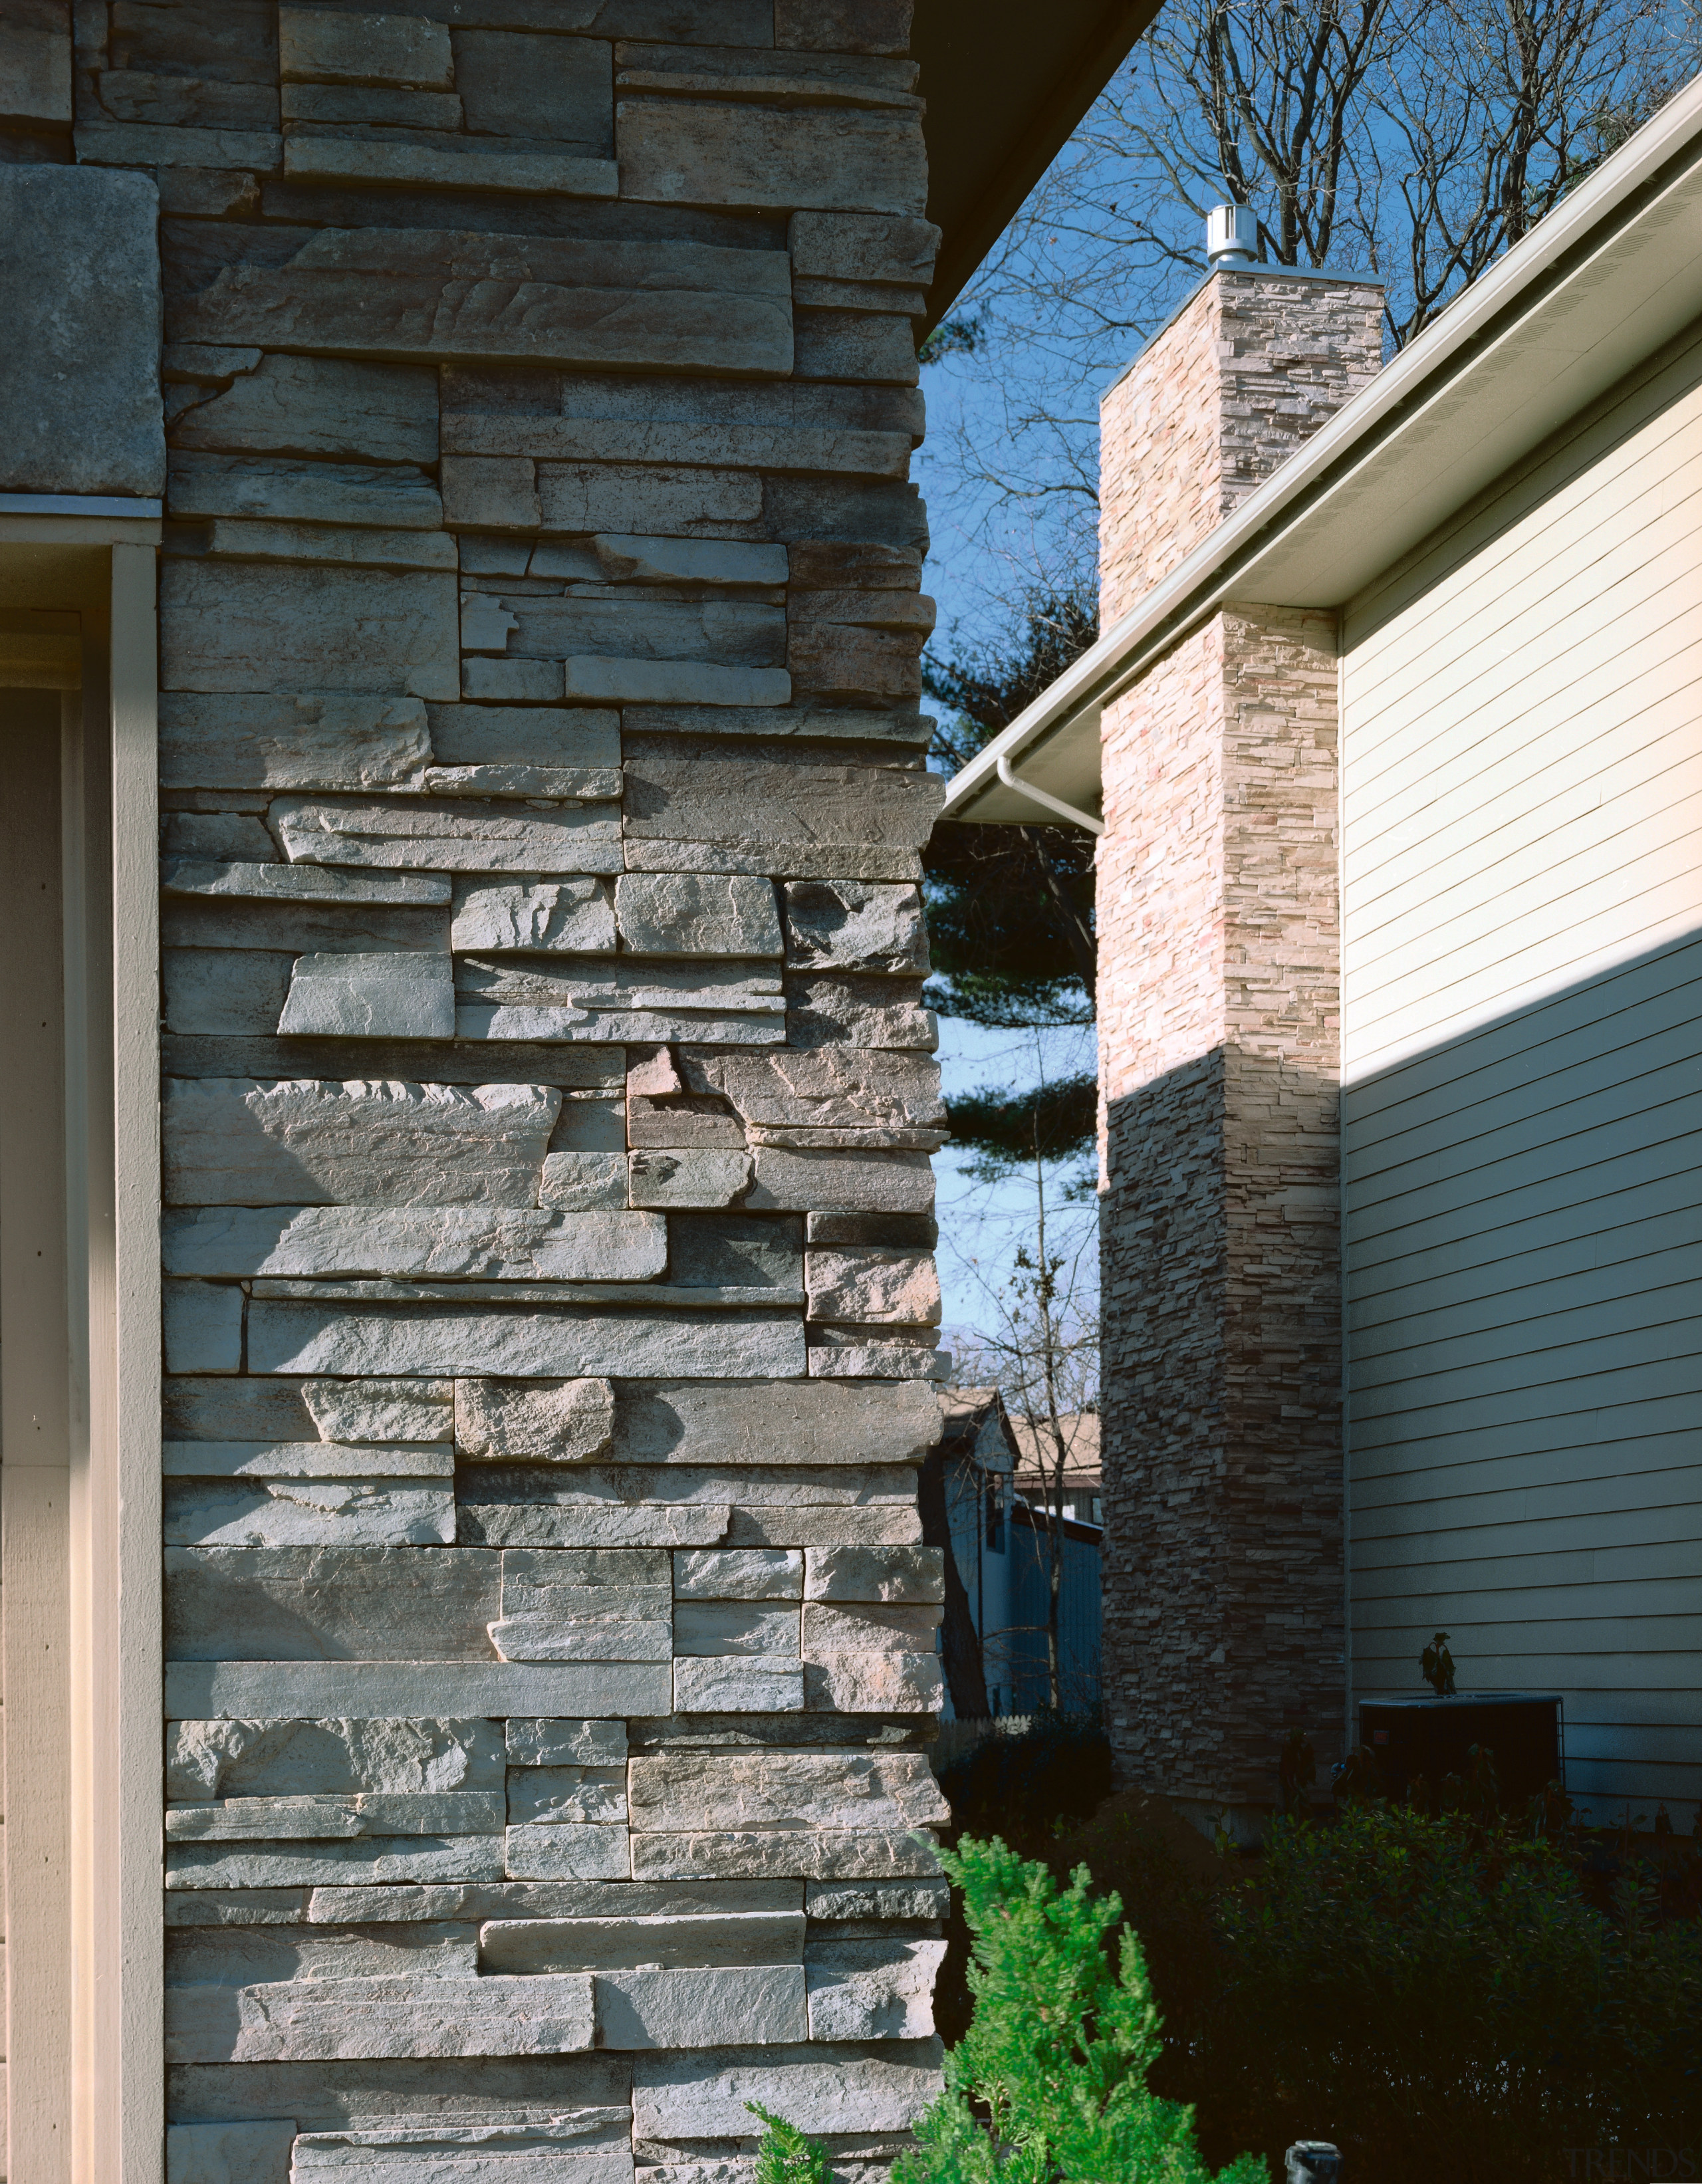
1609,276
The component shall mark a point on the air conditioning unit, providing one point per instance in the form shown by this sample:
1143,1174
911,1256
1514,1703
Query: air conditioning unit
1431,1736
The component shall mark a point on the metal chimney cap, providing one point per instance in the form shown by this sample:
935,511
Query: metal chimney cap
1231,236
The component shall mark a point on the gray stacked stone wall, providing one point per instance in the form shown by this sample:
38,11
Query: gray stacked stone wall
549,1323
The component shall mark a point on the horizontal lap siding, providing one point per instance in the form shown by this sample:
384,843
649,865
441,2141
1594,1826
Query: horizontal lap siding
1521,796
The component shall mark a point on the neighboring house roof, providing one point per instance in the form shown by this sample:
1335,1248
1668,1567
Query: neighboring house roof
1080,1430
1005,83
1609,276
977,1427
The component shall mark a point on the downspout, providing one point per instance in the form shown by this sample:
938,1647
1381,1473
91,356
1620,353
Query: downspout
1051,803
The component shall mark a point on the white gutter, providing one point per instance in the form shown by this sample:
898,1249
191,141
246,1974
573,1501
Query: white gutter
1055,804
1402,393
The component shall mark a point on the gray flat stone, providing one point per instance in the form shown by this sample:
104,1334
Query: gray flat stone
616,1901
551,784
571,915
390,997
737,1685
843,1088
535,1743
873,1683
682,2008
845,1008
578,738
304,2019
522,1524
802,1854
756,1525
845,1353
297,883
407,2094
437,834
872,1990
697,914
304,1459
289,1513
568,1795
696,1421
550,1422
739,1574
439,1240
847,1626
873,1792
581,1638
331,1603
203,1327
80,375
303,405
673,1939
322,1817
626,560
312,1690
732,798
875,1574
584,1182
562,2151
821,2089
713,1629
619,997
381,1410
310,1337
689,1178
856,925
216,1758
282,488
232,1141
837,1181
235,626
313,741
673,306
376,1858
229,2152
877,1899
559,1852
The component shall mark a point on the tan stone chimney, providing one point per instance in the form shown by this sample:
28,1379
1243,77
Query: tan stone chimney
1218,988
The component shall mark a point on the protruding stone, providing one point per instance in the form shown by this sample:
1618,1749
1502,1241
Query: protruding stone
697,914
839,1182
877,1899
289,1513
545,1422
867,1284
583,1183
440,1241
568,1795
238,626
874,1683
230,1141
322,1819
707,1422
674,1940
877,1792
872,1990
534,1743
368,1859
720,1852
875,1574
390,997
571,915
559,1852
821,2090
845,1088
855,925
319,1691
689,1178
304,2019
310,405
439,835
711,1628
739,1573
737,1686
649,2009
592,2147
245,741
381,1410
830,1009
225,1757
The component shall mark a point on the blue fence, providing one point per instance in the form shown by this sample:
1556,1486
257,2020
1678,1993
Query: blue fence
1023,1644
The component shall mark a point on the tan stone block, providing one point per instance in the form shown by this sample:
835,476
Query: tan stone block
309,405
228,626
868,345
864,1284
840,245
615,496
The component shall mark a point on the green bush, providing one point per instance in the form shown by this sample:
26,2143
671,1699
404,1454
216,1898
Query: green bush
787,2155
1049,2085
1437,1995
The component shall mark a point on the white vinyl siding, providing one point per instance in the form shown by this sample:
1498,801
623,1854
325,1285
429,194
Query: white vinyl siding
1522,814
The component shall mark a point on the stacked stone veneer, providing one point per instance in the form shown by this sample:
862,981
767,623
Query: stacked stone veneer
548,1099
1219,1009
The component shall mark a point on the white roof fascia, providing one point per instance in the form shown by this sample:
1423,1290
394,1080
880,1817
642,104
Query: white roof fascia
1564,271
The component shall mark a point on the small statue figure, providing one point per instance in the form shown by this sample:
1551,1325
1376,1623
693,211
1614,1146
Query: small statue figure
1436,1666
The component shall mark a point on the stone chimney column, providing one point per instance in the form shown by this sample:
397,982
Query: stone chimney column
1218,1005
